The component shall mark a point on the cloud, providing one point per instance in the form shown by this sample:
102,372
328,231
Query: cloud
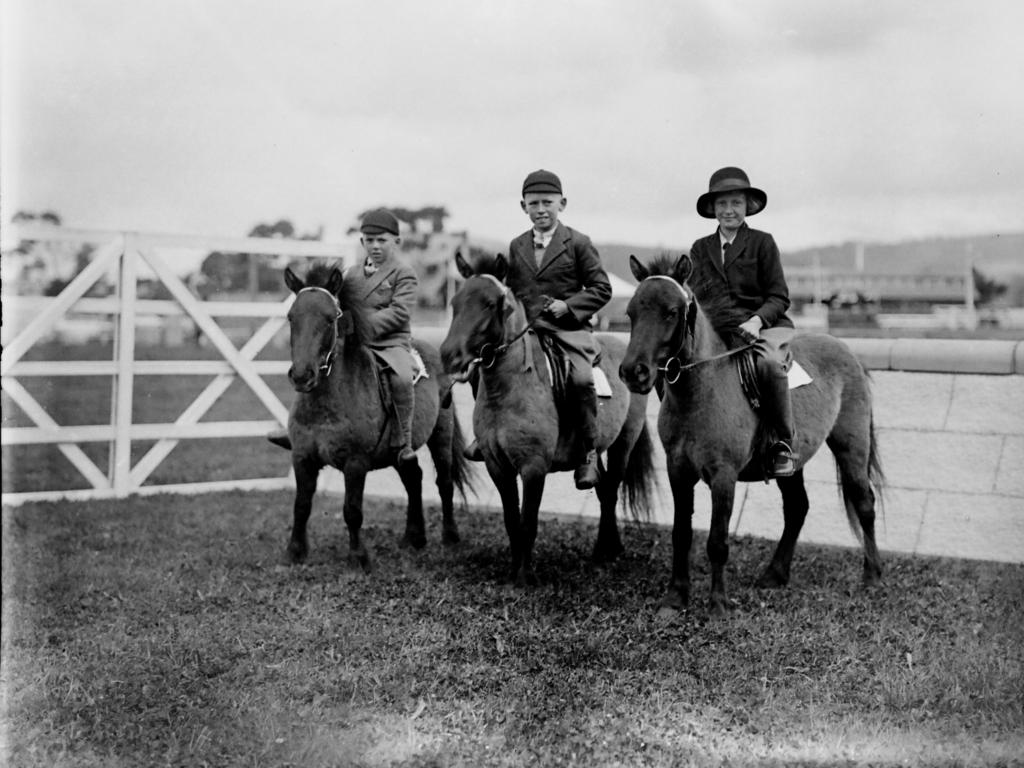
213,115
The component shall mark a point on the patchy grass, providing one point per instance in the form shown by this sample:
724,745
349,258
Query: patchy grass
167,631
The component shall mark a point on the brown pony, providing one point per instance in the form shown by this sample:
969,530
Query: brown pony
516,418
710,431
341,415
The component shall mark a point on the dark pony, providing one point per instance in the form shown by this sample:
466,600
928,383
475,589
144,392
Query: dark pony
517,421
710,431
341,415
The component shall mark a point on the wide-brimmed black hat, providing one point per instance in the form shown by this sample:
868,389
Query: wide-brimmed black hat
730,180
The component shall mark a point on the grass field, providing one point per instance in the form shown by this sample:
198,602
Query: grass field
167,631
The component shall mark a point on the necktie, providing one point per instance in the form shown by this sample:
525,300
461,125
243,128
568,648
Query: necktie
538,252
725,252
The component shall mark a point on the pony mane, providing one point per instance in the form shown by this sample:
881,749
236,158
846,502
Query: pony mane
351,303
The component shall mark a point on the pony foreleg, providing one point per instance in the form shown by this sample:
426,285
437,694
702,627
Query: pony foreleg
723,492
306,474
677,594
794,511
609,544
533,492
446,452
415,529
505,482
355,481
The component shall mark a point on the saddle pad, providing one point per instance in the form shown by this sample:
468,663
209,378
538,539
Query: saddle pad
797,376
601,385
419,370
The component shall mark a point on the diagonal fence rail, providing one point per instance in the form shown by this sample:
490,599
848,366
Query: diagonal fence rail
126,255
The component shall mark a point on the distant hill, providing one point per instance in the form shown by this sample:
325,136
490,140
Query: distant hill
994,255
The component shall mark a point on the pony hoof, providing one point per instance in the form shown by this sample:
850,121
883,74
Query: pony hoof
771,579
413,541
296,553
719,608
872,579
360,560
524,579
450,538
603,555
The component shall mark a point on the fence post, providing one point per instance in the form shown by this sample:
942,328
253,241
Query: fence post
124,382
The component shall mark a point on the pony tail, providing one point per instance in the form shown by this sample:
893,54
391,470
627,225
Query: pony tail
640,477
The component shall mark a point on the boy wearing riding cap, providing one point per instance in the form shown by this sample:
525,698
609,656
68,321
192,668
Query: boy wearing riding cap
388,286
557,274
740,267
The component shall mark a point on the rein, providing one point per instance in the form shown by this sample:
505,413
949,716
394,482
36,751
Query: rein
673,367
328,364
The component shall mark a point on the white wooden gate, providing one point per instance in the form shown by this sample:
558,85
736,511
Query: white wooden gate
125,252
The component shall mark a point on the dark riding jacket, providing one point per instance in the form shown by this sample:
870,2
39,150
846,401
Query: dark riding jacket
751,278
570,270
390,295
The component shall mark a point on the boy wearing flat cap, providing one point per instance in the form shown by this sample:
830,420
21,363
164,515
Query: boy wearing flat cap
740,267
388,286
561,266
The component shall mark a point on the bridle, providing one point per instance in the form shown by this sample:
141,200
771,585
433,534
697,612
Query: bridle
674,367
489,353
328,364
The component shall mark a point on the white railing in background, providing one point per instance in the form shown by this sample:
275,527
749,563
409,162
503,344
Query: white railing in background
125,253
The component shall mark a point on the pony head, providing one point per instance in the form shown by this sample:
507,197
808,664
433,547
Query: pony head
480,311
325,313
661,311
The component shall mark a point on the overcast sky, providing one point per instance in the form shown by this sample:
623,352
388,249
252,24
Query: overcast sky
874,121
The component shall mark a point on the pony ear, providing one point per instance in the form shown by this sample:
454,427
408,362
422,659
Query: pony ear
334,281
691,317
292,280
500,267
640,272
463,266
683,268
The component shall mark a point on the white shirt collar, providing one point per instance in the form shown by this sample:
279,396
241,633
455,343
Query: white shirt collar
544,237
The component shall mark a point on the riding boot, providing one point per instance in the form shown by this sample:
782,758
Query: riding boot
586,475
781,461
402,397
279,437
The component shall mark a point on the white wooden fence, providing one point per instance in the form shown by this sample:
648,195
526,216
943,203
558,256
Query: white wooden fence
125,253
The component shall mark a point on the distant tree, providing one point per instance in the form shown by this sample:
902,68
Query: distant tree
986,290
255,273
436,214
47,217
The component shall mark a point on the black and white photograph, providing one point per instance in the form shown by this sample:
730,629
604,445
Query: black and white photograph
396,384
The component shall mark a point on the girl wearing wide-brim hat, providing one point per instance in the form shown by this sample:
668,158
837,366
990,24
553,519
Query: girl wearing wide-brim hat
740,267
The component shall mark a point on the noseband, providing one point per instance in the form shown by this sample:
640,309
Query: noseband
674,367
328,364
489,353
